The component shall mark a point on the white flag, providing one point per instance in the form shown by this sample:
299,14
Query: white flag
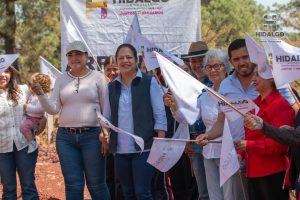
134,27
285,61
186,89
105,123
165,153
50,70
6,60
145,47
229,163
73,33
258,55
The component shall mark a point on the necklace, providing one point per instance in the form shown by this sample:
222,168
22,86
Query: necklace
77,83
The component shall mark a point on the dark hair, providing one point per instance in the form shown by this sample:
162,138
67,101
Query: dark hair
236,44
109,61
125,45
14,91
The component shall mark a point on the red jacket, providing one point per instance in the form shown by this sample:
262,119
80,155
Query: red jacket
264,156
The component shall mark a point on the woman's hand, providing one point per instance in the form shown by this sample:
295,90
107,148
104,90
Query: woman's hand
104,138
161,134
105,149
169,101
202,139
253,122
241,145
37,89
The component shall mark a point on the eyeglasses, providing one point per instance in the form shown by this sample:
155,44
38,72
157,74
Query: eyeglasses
215,67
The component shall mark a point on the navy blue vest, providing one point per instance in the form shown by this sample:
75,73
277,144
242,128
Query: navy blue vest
143,121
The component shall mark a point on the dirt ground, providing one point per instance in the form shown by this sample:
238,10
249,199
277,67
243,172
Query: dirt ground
48,175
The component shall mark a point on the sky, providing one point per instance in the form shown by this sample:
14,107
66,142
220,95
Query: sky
271,2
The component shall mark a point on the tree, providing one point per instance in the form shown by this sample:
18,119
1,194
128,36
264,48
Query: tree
8,26
291,19
31,28
226,20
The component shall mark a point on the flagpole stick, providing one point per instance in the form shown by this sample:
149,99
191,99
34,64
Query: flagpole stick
242,185
229,104
161,86
294,96
183,140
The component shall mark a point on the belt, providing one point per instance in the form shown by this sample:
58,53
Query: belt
78,130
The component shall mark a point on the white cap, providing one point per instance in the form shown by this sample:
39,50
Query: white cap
264,70
76,46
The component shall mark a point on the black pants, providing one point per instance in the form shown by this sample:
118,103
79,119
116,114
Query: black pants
183,183
267,187
112,181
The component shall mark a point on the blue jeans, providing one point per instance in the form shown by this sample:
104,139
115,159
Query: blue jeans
24,164
80,158
199,171
135,175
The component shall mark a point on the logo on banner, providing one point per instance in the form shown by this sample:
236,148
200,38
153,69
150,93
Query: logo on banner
96,6
270,58
271,26
138,1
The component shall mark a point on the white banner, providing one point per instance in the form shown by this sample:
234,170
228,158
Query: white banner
49,69
170,24
285,60
6,60
139,41
166,152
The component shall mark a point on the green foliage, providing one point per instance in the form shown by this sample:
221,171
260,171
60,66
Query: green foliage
37,33
291,19
226,20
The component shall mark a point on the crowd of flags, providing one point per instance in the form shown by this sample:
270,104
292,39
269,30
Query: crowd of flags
278,60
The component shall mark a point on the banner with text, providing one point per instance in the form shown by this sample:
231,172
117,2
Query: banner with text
171,24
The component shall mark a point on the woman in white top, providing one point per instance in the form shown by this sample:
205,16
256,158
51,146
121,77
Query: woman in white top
217,68
77,95
13,144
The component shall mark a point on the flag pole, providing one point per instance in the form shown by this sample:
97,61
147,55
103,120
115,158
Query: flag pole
242,185
225,101
184,140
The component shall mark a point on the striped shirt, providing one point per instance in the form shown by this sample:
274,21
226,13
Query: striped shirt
11,117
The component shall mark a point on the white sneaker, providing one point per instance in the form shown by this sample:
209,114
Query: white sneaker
32,146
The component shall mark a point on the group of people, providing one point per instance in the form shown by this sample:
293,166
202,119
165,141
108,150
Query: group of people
131,99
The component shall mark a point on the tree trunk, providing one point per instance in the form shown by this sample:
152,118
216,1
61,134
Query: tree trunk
11,24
